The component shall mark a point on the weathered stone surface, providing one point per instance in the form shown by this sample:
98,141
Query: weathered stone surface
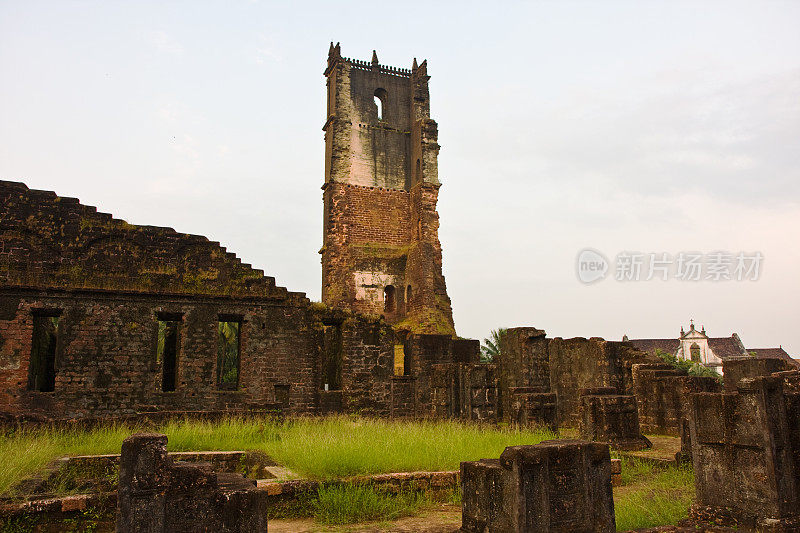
745,455
156,494
531,407
381,252
612,418
530,361
466,391
737,368
555,486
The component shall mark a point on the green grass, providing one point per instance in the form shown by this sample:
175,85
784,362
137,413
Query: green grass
319,448
350,504
651,496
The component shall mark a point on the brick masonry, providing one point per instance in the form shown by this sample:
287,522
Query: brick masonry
109,283
532,364
381,252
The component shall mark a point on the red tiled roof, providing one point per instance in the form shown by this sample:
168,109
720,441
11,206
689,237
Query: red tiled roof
775,353
724,347
669,346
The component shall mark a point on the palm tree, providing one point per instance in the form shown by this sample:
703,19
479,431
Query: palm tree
491,346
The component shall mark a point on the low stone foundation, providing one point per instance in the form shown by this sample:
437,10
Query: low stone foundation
553,486
612,418
157,494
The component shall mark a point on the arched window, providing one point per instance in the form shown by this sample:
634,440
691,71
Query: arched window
408,294
388,299
695,351
380,102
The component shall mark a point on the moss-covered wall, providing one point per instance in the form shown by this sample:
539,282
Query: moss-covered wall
51,241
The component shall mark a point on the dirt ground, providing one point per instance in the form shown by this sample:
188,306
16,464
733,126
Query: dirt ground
442,519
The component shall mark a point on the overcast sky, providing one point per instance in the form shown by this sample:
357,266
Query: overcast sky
660,127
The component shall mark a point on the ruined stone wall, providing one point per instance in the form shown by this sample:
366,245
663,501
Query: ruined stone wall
158,494
403,397
662,393
744,455
580,363
381,252
367,366
106,354
736,368
555,486
53,241
532,364
466,391
109,283
523,362
436,361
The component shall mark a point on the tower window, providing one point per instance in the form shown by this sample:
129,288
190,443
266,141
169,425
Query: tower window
388,299
42,372
228,345
380,102
408,294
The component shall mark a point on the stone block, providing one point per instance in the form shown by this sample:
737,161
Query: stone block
555,486
157,494
745,454
611,418
530,408
737,368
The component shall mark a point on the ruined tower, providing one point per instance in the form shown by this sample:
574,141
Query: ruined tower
381,252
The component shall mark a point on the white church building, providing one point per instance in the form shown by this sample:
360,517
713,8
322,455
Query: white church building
696,346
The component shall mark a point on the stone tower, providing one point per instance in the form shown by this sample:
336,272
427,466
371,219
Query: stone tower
381,252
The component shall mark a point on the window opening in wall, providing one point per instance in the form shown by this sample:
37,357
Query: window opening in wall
167,351
333,356
42,372
282,394
408,295
695,351
388,299
380,102
399,360
228,348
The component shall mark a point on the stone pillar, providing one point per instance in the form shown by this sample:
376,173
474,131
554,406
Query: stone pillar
523,362
612,418
745,451
159,495
143,473
555,486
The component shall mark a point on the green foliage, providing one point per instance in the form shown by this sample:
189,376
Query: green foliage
320,448
491,346
228,355
694,369
347,504
652,496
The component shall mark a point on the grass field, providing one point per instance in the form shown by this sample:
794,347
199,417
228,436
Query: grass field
320,448
651,496
325,448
